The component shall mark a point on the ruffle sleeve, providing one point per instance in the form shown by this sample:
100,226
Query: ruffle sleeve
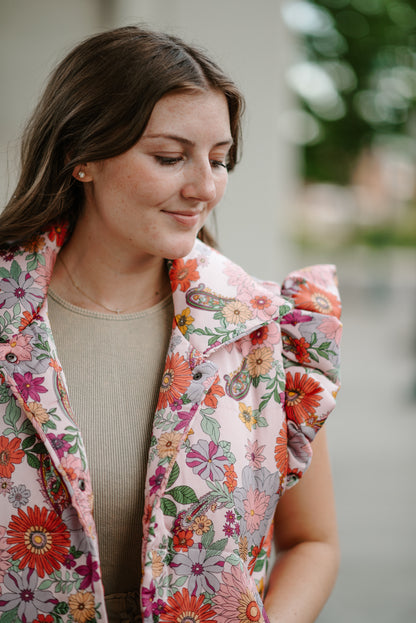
311,334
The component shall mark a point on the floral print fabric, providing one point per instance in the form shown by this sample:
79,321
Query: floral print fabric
250,377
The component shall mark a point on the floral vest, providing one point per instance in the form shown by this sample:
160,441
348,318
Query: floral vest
250,377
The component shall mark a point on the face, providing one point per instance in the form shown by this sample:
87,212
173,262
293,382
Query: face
152,200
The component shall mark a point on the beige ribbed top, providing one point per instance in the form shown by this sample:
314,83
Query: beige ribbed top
113,365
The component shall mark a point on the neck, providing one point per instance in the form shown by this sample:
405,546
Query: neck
94,276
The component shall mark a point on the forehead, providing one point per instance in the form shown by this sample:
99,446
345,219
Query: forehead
192,112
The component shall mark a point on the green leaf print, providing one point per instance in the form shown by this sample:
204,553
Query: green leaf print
15,270
174,474
183,495
10,617
211,427
168,507
12,414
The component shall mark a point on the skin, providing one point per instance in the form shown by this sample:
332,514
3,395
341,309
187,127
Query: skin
306,540
147,205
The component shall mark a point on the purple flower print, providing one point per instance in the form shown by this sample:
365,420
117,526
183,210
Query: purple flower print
89,571
206,460
156,480
59,444
24,593
294,317
228,529
28,386
148,595
185,417
199,569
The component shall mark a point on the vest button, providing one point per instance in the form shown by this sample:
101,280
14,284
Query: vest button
11,358
81,484
197,376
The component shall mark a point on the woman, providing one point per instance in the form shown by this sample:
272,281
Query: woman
126,155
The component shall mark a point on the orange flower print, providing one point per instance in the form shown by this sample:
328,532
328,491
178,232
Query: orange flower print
236,312
201,523
261,302
259,335
39,538
82,606
260,361
168,444
211,399
175,380
301,396
34,245
27,319
298,347
184,608
183,320
230,478
280,450
39,413
157,564
55,365
182,273
58,233
246,415
182,540
10,455
316,299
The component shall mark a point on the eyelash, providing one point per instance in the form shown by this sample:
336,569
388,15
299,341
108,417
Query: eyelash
166,161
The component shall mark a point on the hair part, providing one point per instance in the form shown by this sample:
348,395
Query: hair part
95,106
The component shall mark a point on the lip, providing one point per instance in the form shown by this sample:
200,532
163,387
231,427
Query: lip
189,219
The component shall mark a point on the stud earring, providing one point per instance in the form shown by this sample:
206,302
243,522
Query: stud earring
81,174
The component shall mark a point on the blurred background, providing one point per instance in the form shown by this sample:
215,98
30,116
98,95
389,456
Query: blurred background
328,175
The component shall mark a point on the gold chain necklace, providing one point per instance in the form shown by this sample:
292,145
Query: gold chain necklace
76,286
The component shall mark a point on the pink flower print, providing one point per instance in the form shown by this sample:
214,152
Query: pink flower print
17,346
332,328
156,480
73,467
237,277
44,272
255,506
30,387
254,454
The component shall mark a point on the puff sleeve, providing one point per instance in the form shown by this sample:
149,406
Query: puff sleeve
311,334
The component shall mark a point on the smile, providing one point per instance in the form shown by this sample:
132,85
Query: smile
186,218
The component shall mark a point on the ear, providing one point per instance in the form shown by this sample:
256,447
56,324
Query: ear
81,173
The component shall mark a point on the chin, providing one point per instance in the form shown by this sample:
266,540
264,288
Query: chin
181,249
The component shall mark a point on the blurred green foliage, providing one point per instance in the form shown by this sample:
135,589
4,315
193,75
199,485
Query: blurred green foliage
360,89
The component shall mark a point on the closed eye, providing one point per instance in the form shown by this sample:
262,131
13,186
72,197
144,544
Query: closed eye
218,163
168,160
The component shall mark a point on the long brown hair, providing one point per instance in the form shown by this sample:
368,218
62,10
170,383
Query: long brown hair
96,105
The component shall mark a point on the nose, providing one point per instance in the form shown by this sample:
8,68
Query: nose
200,183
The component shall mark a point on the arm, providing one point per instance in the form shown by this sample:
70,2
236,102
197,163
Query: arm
307,544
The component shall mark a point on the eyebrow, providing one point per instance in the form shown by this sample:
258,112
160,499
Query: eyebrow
186,141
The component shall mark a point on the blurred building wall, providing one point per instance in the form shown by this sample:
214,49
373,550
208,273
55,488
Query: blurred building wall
247,39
